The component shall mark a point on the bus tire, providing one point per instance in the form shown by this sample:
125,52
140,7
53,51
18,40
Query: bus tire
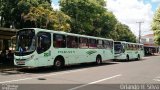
58,63
127,58
98,60
138,57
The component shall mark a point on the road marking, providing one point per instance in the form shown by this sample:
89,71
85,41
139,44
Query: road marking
145,57
53,74
157,80
95,82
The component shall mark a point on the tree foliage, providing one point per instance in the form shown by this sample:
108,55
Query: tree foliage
122,33
156,26
87,16
91,18
40,17
6,10
33,13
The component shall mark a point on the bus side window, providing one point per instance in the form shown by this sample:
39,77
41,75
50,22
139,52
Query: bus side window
111,44
92,43
137,47
83,42
129,47
72,42
59,41
106,44
100,44
141,47
44,42
133,47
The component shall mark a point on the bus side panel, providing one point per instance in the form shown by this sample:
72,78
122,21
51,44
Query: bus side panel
109,54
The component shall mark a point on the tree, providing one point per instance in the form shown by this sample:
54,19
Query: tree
41,17
108,23
32,13
11,11
24,7
156,26
85,15
62,22
122,33
89,17
6,12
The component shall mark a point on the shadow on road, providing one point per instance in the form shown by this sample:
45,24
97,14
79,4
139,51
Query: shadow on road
132,60
43,70
66,68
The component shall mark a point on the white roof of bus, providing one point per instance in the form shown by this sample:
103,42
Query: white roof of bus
128,42
62,32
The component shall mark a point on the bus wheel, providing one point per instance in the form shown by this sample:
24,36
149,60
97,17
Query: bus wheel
138,57
127,58
58,63
98,60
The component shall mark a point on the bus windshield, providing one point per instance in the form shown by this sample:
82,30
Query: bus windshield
25,42
118,48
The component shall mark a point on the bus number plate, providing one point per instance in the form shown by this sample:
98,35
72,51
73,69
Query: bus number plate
20,62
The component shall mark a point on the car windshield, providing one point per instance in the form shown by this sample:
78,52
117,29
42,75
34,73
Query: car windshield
25,42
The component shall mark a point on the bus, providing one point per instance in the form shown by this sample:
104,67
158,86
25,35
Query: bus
127,50
37,47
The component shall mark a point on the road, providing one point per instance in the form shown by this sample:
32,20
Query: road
133,75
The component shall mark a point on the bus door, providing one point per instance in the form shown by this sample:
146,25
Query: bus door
43,48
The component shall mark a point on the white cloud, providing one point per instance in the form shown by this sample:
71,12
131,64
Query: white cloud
156,1
55,6
131,11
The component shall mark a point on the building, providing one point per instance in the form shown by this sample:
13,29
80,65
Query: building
149,46
5,37
148,40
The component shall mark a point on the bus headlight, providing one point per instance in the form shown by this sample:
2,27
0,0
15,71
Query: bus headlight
31,57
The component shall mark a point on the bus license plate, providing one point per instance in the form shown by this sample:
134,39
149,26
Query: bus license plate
20,62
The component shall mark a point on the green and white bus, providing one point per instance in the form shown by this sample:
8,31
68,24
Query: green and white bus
40,47
126,50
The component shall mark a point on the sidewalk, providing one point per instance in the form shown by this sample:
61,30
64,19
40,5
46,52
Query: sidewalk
5,67
155,54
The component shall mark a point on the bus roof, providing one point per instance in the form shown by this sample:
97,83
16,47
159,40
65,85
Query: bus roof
66,33
128,42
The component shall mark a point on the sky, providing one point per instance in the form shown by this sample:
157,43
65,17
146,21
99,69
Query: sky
130,12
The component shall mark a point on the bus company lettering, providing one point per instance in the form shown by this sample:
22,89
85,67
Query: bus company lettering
66,51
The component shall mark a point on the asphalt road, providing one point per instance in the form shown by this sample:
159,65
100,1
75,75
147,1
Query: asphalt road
131,75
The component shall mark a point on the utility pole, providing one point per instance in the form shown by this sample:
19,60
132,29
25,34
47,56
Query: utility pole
139,23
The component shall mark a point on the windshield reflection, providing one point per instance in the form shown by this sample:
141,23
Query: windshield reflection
26,42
